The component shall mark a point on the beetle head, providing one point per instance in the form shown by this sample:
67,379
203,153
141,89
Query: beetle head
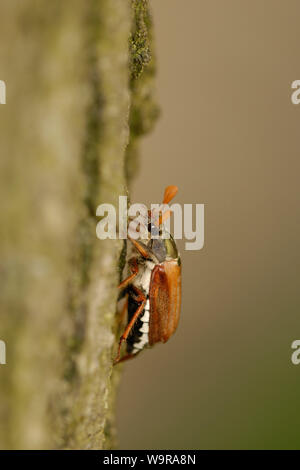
163,248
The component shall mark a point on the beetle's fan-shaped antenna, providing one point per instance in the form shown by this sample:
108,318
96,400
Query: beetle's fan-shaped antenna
170,193
163,218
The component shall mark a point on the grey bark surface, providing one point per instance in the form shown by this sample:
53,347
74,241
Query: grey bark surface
73,92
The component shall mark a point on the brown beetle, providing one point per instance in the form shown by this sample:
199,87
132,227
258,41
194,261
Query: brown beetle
153,289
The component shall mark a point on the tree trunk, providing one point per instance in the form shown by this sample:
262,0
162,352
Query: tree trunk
79,84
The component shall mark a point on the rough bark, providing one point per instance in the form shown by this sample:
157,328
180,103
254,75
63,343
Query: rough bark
79,80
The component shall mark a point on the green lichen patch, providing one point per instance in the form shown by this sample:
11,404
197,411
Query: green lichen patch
144,110
139,41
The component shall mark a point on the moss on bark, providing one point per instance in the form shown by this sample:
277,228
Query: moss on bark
144,109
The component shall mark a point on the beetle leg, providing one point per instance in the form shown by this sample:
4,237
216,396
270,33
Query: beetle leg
125,358
141,248
134,269
140,298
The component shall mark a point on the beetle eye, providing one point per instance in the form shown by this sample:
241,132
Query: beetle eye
171,248
153,229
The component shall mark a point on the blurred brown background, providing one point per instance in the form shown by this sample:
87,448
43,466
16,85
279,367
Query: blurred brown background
229,138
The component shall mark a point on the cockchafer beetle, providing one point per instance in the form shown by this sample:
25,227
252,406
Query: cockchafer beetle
152,290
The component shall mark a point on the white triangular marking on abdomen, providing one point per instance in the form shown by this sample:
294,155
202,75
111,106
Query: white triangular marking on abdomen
145,328
146,316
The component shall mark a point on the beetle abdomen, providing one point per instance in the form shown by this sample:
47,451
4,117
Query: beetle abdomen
139,337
